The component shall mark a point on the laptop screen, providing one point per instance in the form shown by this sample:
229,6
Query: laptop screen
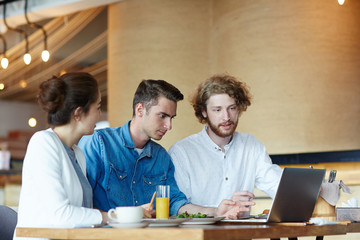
296,195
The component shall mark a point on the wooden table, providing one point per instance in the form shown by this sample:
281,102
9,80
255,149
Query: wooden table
194,232
353,227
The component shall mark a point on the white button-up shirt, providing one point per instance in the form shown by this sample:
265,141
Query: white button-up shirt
208,175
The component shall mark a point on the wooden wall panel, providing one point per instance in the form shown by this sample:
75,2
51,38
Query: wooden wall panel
301,60
157,39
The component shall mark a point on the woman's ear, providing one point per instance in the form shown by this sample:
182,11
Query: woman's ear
77,113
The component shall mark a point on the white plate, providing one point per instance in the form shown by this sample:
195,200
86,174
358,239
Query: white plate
165,222
128,225
201,221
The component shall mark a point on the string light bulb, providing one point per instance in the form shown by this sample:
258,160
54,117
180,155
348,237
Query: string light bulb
4,63
2,86
4,60
32,122
23,83
341,2
27,58
45,55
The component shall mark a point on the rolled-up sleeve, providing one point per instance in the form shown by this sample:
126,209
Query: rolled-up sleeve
267,174
177,198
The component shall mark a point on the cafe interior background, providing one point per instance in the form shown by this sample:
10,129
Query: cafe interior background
301,60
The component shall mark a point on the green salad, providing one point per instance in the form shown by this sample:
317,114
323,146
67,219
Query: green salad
187,215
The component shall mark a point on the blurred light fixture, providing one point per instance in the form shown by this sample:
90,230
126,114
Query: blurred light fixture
2,85
4,60
23,83
341,2
27,56
45,55
32,122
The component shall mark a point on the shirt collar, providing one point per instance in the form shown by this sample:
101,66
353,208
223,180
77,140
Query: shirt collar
129,143
126,136
211,143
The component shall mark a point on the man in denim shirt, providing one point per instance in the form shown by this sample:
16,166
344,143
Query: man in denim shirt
124,165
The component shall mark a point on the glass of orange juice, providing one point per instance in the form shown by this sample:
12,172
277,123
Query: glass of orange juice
162,201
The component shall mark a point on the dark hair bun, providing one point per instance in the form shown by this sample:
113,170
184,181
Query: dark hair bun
61,96
52,94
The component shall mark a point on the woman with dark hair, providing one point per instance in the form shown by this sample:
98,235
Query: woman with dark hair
55,191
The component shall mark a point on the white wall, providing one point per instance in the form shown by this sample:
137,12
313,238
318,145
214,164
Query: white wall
15,116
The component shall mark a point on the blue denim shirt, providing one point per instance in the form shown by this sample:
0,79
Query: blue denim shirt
120,177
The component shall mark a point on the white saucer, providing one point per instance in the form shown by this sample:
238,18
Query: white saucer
128,225
202,221
165,222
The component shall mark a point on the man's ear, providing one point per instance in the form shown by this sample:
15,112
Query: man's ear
77,113
140,110
204,113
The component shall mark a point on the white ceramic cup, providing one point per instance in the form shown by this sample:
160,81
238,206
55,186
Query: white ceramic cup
126,214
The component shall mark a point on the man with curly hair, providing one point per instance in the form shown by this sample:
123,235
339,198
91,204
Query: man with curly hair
218,162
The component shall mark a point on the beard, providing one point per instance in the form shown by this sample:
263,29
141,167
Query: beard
220,132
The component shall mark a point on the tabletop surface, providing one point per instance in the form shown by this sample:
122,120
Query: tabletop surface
195,232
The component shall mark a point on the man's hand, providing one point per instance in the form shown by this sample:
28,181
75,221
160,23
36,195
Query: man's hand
239,206
148,210
244,200
242,196
105,217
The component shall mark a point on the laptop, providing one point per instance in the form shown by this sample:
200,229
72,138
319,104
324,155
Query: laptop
295,197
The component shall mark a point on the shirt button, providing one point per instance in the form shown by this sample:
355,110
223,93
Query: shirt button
120,176
226,178
136,202
150,183
133,182
224,156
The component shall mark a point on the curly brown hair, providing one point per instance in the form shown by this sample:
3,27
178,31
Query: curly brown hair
219,84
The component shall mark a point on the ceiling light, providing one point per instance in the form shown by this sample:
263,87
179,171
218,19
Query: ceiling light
27,57
32,122
2,86
4,60
341,2
23,83
45,55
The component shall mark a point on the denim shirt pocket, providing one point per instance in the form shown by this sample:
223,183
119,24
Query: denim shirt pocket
150,183
116,185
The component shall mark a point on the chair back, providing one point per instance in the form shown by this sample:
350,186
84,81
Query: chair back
8,221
